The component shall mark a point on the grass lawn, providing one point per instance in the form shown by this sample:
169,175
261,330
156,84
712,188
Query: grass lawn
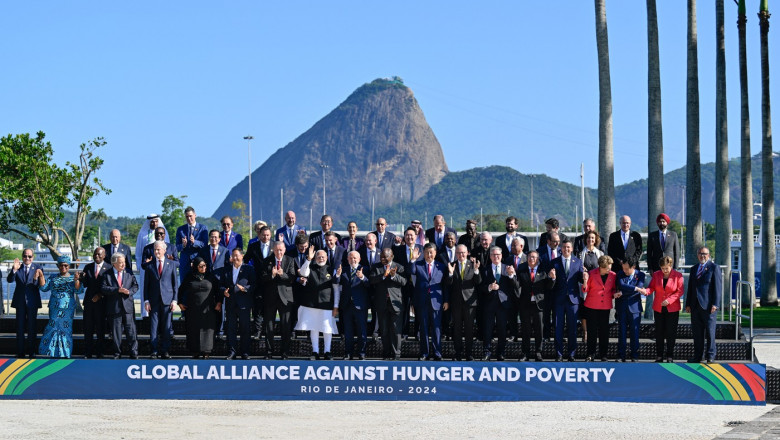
764,317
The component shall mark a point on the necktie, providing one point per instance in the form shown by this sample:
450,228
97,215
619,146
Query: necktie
213,255
429,271
97,270
553,255
265,250
159,268
26,271
371,258
566,266
119,278
351,244
278,264
700,271
352,275
301,258
517,261
462,269
625,240
379,237
533,275
663,240
410,254
449,251
330,257
113,249
438,239
497,273
289,235
227,238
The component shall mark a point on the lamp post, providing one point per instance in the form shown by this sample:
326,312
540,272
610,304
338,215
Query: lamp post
249,166
323,166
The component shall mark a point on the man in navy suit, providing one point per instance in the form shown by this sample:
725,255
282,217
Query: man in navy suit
548,253
535,282
628,307
216,255
317,239
94,304
388,279
238,284
115,246
160,289
118,287
623,244
568,271
701,301
289,231
256,253
553,226
333,250
278,274
384,239
404,255
430,300
28,277
504,241
588,225
353,308
499,287
463,279
435,234
191,238
228,237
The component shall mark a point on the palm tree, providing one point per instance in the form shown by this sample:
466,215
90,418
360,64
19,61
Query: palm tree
655,142
768,254
748,263
722,213
606,163
693,230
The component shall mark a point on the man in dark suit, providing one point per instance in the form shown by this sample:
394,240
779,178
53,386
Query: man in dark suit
191,238
354,303
333,250
447,255
160,290
278,274
464,277
317,239
504,241
535,281
588,225
289,231
482,252
28,277
404,255
115,246
624,244
384,239
229,238
435,234
660,243
701,301
549,252
94,304
238,284
470,239
148,251
430,300
118,287
568,275
369,256
388,279
216,255
256,253
515,257
499,287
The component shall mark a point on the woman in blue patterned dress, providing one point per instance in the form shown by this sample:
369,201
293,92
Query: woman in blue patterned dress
57,340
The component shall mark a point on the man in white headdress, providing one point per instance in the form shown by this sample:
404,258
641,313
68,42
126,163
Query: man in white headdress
145,237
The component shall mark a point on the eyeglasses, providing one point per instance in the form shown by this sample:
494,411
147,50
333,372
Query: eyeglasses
159,234
227,224
704,253
201,265
380,224
27,256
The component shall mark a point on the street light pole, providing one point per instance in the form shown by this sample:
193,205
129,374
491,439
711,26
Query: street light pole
249,166
323,166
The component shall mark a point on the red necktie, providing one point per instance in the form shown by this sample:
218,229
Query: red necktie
97,270
533,275
213,255
517,261
159,268
429,271
278,264
119,278
553,254
227,239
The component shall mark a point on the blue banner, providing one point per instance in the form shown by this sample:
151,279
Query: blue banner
379,380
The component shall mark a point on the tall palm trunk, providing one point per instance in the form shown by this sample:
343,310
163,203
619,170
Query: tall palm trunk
722,210
748,259
655,142
768,254
693,223
606,191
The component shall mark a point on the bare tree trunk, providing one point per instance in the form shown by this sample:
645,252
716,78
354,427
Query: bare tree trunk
722,210
606,191
768,251
747,257
693,229
655,142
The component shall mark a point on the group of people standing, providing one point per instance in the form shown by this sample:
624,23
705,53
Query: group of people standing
469,287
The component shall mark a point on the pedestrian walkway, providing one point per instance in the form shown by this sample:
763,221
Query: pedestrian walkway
765,427
767,346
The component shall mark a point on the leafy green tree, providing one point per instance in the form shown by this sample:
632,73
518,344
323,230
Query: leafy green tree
173,212
241,221
34,190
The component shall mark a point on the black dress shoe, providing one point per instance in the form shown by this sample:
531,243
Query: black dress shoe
658,360
230,357
589,358
397,357
19,356
362,357
423,358
88,356
486,357
100,356
634,359
196,356
166,355
604,359
314,357
670,360
134,356
284,356
709,361
32,355
522,358
539,357
436,358
621,359
245,357
500,358
559,359
469,358
694,361
206,356
570,359
328,356
117,356
153,355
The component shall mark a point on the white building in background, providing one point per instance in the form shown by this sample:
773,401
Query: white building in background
4,243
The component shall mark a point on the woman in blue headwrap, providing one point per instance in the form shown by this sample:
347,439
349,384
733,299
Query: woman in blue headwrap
57,340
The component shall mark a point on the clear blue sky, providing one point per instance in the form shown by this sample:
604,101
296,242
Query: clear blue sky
174,86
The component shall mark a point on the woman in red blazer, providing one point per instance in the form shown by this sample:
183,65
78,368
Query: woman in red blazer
600,286
667,284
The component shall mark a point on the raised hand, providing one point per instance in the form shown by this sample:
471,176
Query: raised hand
476,264
415,253
227,293
310,253
451,267
38,274
510,271
17,264
392,271
338,271
280,237
552,273
359,273
148,259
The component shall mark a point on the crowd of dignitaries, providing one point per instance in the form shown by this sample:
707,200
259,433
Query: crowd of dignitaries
470,288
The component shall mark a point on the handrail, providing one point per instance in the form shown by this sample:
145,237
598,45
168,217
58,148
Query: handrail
739,316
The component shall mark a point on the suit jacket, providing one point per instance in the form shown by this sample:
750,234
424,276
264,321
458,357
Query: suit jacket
707,287
279,286
566,289
339,255
246,278
600,294
509,259
222,260
501,242
122,249
254,253
232,241
387,240
443,255
579,245
655,252
429,291
430,235
508,288
344,242
118,303
462,289
543,240
355,292
26,290
617,252
672,292
148,252
201,235
389,287
288,235
471,243
364,255
536,288
92,284
317,239
630,300
401,256
544,257
160,288
482,255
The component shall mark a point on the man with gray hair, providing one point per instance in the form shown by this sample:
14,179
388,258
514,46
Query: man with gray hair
160,287
588,225
118,287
